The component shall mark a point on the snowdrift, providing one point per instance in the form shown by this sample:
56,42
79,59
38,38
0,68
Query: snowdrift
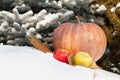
27,63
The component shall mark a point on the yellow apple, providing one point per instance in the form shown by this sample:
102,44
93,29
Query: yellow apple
82,58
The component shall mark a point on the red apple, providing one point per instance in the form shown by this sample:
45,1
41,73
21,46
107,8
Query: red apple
61,55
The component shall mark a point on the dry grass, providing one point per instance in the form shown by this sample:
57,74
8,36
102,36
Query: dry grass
112,30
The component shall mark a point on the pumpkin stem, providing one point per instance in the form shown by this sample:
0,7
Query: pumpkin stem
78,20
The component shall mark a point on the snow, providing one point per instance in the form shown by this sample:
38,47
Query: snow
101,8
114,69
38,36
32,29
27,63
3,26
104,75
113,9
118,5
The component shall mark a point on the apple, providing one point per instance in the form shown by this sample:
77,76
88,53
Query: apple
61,55
83,59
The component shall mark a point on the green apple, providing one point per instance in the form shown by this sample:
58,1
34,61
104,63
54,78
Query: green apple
82,58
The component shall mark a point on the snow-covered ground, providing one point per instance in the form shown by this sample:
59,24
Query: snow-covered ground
27,63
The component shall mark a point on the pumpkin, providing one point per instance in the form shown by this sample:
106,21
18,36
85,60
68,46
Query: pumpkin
75,37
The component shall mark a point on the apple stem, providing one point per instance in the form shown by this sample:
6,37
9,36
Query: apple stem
78,20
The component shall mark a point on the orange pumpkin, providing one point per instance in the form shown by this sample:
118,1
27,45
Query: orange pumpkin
86,37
